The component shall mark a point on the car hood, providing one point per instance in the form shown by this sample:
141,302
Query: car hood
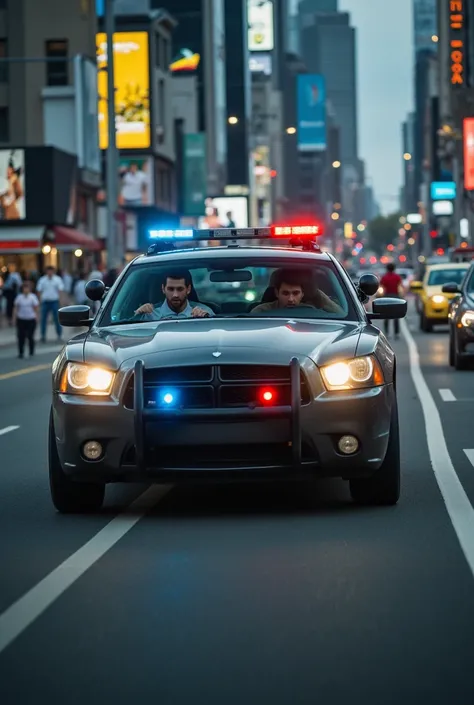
232,341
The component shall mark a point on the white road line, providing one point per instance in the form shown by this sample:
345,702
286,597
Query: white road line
470,455
459,508
447,395
8,429
22,613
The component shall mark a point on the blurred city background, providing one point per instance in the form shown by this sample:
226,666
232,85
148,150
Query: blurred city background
228,112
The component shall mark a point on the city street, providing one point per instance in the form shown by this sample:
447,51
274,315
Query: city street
249,595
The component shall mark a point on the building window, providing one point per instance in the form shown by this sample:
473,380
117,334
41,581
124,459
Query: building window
57,71
3,64
4,125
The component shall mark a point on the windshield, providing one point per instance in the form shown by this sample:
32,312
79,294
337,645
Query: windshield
439,277
223,287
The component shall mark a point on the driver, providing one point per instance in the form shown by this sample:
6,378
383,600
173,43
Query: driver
176,287
289,292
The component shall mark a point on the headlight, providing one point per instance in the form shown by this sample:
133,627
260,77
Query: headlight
467,319
84,379
438,299
358,373
380,291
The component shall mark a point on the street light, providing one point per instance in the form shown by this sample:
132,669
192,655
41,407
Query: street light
335,216
435,38
336,164
291,130
233,120
407,156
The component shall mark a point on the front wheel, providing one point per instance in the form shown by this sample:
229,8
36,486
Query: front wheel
70,497
383,488
451,348
425,323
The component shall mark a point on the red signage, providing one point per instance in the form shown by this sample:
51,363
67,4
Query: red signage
457,23
468,138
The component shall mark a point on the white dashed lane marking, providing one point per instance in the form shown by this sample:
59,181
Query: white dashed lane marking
470,455
8,429
447,395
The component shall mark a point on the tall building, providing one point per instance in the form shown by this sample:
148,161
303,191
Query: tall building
200,31
238,94
49,151
425,36
324,33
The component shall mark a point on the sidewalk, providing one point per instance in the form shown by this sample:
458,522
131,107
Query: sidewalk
8,335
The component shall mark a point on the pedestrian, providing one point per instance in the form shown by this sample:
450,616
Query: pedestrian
25,315
50,287
391,283
11,289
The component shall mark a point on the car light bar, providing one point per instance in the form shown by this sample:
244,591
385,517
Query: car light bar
282,231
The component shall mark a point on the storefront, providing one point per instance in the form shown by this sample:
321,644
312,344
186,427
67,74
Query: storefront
41,219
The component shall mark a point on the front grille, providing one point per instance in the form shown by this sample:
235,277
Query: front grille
217,386
254,373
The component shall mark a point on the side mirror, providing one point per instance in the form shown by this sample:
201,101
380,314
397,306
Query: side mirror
416,286
450,288
387,308
369,284
95,289
75,316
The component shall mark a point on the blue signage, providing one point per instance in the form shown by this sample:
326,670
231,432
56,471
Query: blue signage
311,107
442,190
99,8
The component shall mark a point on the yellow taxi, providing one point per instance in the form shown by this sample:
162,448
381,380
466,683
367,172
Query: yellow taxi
433,304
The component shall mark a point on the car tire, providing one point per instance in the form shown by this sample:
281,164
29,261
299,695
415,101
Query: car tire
451,348
70,497
460,362
425,324
383,488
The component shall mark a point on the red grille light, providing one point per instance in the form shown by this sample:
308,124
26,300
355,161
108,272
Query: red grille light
267,395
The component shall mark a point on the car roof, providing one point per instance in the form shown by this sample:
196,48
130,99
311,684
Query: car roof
235,252
448,265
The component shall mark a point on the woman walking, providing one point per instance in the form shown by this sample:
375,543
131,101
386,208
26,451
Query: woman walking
26,316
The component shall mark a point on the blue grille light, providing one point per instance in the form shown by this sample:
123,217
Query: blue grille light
171,234
168,397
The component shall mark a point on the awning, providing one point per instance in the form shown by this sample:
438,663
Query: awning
68,239
21,239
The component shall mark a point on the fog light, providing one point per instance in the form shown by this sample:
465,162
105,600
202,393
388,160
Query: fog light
92,450
348,445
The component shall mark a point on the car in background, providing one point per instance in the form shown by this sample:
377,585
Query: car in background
461,321
433,302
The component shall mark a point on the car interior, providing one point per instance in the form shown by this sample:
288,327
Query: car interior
149,291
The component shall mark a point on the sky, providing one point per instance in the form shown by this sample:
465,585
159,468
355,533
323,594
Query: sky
385,57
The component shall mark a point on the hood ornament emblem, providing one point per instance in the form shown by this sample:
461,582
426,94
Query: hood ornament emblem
217,353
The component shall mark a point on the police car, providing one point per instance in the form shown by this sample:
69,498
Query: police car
251,359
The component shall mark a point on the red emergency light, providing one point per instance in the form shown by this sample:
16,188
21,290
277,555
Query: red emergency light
295,230
267,395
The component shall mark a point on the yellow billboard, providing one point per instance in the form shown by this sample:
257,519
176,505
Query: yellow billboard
132,90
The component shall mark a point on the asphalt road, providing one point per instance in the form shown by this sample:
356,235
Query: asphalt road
244,596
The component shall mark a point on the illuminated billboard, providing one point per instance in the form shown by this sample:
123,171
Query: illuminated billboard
260,21
132,86
469,154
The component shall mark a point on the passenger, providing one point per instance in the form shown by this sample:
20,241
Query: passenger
176,287
289,292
